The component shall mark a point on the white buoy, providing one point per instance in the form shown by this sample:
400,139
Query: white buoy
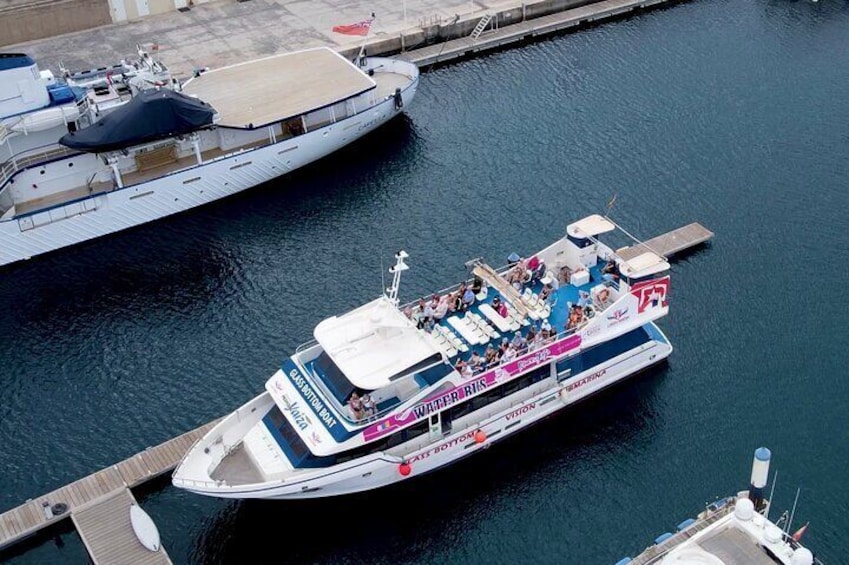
144,528
760,474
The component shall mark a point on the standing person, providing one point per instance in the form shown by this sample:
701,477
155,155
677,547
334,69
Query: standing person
355,405
369,407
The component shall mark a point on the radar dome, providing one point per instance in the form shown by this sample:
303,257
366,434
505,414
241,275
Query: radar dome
802,556
744,510
772,533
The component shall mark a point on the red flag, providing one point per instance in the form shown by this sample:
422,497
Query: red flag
800,532
359,28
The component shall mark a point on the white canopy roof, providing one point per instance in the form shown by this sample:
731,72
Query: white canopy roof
373,343
643,265
590,226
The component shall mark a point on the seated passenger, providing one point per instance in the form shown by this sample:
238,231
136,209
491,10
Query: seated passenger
490,356
369,407
476,361
565,275
455,302
538,342
610,271
545,293
518,342
355,405
509,355
408,311
477,285
441,309
468,299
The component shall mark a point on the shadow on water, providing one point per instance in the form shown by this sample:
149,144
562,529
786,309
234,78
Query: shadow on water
188,257
381,525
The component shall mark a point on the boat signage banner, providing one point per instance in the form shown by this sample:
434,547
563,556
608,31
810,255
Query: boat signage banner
489,379
651,294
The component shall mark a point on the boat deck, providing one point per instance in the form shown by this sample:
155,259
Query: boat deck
273,89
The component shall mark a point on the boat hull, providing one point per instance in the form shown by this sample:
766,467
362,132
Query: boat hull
28,235
500,422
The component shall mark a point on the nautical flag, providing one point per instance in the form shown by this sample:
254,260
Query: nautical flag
359,28
800,532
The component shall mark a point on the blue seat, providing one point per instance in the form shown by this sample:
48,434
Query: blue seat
686,524
662,538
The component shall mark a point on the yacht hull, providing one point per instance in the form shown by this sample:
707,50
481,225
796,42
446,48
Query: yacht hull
497,422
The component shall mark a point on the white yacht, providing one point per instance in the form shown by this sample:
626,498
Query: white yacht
387,392
165,150
733,531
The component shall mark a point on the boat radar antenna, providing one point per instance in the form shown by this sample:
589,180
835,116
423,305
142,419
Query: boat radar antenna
396,270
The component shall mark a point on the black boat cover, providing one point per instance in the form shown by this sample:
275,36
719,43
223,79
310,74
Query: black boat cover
150,115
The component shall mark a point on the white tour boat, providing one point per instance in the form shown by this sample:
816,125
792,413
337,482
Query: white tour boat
733,531
161,151
307,435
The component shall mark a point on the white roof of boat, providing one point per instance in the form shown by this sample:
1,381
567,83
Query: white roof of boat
643,265
590,226
373,343
275,88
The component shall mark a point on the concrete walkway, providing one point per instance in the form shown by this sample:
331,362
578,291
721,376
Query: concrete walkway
226,32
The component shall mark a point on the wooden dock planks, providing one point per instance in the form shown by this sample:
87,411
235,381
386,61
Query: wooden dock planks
670,243
107,533
105,484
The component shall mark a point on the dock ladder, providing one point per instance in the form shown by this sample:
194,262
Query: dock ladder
483,23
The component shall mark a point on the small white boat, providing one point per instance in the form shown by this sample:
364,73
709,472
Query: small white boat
144,528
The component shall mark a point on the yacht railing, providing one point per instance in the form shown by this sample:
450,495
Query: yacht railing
32,156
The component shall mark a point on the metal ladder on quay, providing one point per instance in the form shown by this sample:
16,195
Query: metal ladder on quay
483,23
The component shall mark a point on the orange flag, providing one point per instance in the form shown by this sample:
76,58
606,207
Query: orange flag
800,532
359,28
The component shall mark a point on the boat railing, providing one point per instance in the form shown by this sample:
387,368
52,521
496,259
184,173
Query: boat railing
374,457
32,156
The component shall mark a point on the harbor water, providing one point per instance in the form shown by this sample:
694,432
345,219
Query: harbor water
732,113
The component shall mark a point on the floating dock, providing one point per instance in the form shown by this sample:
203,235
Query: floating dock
670,243
99,505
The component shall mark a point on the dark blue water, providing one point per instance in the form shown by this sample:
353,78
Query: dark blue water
735,114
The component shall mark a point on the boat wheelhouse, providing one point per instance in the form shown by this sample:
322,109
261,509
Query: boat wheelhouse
570,321
270,116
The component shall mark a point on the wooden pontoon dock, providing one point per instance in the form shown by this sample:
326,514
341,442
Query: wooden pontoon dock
99,505
670,243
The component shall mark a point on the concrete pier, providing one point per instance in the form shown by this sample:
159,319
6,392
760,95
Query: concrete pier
226,32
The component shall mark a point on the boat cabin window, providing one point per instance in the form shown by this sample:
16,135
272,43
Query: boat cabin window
340,111
318,118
